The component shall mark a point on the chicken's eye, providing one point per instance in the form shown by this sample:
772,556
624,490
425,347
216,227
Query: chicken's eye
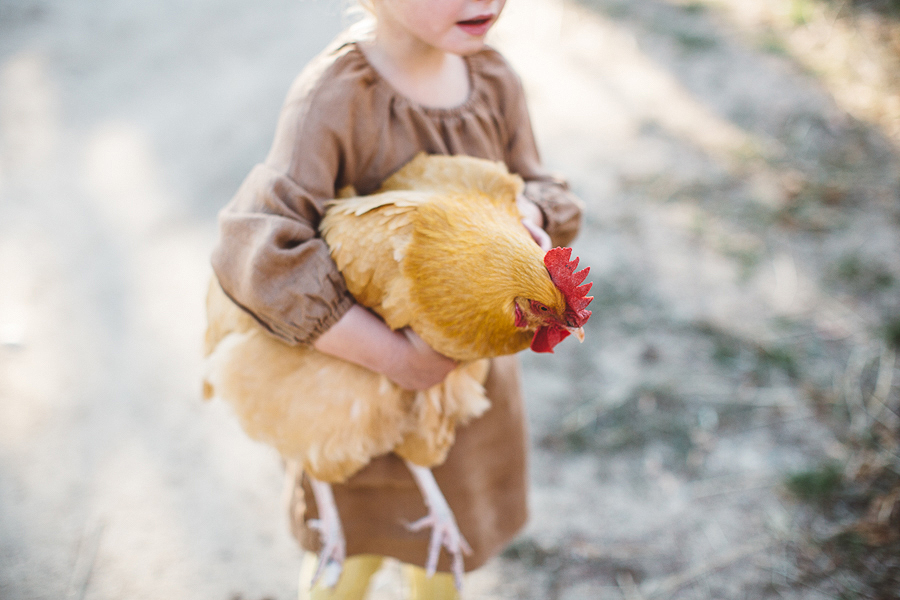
535,305
539,307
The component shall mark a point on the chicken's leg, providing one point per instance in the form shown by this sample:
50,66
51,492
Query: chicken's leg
331,557
444,531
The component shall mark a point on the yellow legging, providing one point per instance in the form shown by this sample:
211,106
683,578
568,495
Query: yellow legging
357,572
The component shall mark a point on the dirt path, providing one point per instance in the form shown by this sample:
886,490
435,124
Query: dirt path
741,227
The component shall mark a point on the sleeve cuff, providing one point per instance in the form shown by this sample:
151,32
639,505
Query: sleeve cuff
562,210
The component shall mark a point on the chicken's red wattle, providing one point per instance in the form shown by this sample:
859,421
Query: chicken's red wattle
546,338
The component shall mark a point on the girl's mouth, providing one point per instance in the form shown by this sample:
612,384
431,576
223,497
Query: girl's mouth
477,26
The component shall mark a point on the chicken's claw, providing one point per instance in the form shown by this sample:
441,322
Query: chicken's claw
444,533
331,556
444,530
334,548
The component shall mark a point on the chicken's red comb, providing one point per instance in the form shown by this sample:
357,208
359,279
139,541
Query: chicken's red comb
562,272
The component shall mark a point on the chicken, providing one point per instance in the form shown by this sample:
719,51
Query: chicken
440,249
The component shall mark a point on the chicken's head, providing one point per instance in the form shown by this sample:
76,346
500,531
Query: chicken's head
553,325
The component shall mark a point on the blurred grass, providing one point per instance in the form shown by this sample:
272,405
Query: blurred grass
891,332
819,485
861,275
886,8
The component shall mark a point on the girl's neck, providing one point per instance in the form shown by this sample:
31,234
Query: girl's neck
426,75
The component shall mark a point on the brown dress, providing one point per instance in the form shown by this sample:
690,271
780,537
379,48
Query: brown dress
342,124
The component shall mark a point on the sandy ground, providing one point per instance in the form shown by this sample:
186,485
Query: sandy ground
741,226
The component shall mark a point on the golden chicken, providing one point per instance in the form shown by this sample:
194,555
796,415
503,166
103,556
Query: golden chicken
440,249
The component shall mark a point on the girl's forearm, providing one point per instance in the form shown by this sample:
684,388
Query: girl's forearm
362,338
359,337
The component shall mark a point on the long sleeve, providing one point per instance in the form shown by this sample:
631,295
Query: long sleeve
561,208
269,259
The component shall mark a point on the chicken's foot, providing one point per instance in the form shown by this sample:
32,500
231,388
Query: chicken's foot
331,557
444,530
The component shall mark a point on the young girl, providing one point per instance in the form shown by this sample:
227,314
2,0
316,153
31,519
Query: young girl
422,80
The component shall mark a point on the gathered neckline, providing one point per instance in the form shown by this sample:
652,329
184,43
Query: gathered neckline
463,107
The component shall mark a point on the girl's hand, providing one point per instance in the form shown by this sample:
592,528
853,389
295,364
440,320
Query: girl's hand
418,367
533,220
362,338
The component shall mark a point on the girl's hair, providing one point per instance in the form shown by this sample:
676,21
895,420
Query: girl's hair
359,16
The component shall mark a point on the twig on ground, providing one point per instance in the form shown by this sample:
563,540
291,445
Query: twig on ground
630,590
877,404
852,391
712,488
85,558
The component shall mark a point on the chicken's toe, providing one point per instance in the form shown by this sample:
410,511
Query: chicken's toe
444,533
444,530
334,551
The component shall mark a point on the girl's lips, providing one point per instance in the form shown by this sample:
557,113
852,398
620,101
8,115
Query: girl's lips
477,26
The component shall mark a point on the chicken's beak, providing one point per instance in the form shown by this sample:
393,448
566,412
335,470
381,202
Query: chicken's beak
578,332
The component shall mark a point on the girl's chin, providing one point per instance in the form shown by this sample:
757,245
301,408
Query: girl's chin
465,47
